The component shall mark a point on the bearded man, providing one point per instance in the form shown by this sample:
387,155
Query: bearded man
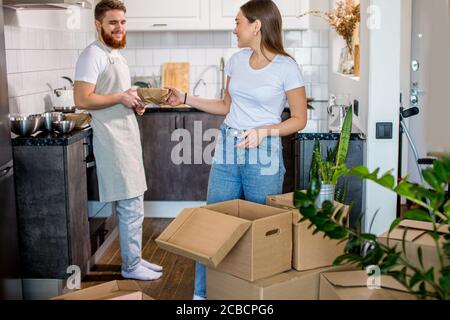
103,87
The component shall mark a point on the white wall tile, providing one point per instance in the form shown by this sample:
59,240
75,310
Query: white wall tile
324,74
221,39
187,39
311,73
179,55
213,56
7,32
197,57
161,56
324,38
135,40
130,56
169,40
210,74
292,39
319,55
311,126
205,39
11,61
303,56
146,57
310,38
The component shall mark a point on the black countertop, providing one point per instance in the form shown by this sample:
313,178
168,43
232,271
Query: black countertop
52,138
327,136
185,109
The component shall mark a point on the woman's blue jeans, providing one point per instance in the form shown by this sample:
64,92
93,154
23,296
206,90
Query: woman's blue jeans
250,174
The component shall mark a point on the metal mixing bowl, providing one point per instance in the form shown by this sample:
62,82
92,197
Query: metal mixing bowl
64,126
39,122
24,125
50,117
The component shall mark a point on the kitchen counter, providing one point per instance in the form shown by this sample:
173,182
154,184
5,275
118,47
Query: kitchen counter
52,139
183,109
327,136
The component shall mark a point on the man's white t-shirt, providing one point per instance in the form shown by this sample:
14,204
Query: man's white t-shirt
93,61
258,97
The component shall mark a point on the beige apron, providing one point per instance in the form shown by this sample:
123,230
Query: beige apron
116,139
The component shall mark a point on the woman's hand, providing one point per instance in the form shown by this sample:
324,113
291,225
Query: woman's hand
252,138
176,98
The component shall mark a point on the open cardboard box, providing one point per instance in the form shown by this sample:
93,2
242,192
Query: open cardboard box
290,285
353,285
309,251
249,240
112,290
416,236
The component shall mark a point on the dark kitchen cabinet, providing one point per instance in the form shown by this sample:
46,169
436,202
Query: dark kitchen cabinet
168,178
355,157
52,209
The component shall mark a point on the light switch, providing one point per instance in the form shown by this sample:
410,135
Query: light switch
384,130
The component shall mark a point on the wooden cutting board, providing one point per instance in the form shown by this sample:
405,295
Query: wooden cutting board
176,75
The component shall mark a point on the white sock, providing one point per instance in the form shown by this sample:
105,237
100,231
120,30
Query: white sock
151,266
141,273
196,297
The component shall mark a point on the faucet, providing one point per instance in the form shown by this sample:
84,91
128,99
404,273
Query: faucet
222,77
196,85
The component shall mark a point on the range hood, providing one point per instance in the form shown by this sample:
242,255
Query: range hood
46,4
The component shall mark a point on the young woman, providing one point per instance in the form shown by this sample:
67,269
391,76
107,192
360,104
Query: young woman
248,160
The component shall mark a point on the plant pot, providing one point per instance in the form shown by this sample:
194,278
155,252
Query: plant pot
326,193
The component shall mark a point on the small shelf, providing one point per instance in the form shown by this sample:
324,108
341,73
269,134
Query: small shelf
348,76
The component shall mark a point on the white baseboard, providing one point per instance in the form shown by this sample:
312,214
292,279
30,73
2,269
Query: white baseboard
168,209
152,209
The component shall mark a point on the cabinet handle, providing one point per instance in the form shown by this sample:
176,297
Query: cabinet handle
90,164
155,25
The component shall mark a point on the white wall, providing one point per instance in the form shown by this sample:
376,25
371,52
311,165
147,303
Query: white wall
42,46
377,90
383,106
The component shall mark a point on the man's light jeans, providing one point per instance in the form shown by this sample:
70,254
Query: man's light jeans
130,216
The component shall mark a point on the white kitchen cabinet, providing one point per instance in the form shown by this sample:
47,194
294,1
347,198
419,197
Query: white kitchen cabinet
223,13
157,15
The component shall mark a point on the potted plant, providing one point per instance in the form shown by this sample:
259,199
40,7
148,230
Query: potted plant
326,171
433,206
344,20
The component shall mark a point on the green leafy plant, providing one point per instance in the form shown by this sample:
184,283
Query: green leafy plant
326,171
433,205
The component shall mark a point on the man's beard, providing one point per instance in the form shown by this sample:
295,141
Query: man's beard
113,43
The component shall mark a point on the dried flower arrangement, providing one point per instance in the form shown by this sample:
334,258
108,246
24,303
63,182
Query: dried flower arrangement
344,19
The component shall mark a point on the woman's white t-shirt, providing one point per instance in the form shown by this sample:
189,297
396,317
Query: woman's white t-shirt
258,97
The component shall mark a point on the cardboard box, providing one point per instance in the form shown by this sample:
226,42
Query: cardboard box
291,285
249,240
113,290
416,236
352,285
309,251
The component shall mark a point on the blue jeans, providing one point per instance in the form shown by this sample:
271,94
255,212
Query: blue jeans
250,174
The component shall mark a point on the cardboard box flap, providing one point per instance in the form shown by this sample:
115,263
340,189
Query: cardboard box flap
354,279
203,235
244,209
415,229
286,201
102,291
